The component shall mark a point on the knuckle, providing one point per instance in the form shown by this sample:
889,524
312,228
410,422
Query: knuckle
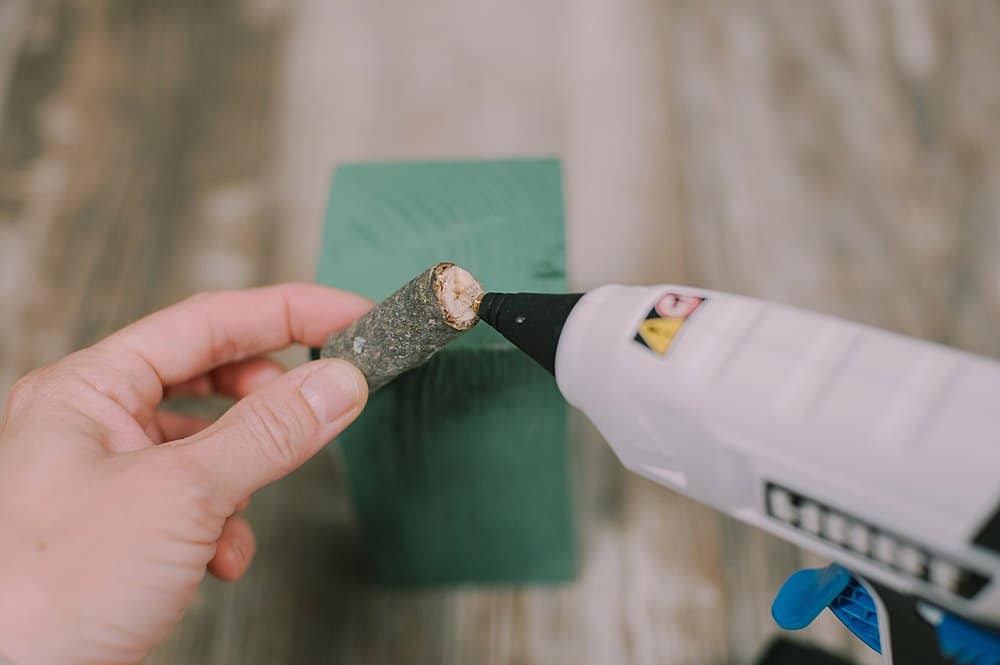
201,298
90,369
76,376
67,370
279,430
34,386
225,347
21,391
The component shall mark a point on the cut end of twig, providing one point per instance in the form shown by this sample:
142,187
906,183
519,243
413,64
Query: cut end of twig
458,294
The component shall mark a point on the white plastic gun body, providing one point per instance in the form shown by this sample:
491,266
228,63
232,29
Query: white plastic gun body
878,451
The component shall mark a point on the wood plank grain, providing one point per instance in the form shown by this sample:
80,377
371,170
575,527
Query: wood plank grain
132,154
36,148
841,156
13,31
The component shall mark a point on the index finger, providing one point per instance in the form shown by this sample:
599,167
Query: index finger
215,328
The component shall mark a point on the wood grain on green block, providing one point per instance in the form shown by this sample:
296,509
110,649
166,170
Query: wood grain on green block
458,469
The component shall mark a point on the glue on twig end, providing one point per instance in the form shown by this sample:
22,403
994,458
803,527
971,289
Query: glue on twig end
458,294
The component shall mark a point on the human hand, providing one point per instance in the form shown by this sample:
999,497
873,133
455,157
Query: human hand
112,510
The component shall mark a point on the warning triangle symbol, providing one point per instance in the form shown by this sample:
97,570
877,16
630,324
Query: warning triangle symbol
658,333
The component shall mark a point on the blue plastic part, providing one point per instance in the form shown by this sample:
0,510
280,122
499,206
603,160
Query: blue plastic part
967,644
807,593
856,609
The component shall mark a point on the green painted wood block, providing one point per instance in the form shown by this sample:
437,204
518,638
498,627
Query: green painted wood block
459,469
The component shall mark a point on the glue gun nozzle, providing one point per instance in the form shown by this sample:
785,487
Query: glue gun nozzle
532,322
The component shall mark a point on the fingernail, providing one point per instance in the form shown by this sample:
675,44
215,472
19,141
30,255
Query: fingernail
333,389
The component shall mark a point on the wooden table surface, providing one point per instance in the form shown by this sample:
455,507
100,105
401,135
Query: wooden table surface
843,156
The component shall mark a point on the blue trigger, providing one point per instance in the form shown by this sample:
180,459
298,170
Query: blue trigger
856,610
806,594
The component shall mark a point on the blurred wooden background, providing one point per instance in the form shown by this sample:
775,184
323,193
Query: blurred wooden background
840,155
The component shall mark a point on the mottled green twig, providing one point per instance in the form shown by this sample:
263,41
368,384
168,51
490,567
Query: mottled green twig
410,326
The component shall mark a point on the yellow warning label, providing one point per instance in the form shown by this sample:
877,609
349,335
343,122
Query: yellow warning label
658,333
665,320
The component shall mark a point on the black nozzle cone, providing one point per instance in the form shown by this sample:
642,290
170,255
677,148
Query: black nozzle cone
532,322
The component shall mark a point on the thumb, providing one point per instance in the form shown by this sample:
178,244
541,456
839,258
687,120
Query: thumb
274,430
